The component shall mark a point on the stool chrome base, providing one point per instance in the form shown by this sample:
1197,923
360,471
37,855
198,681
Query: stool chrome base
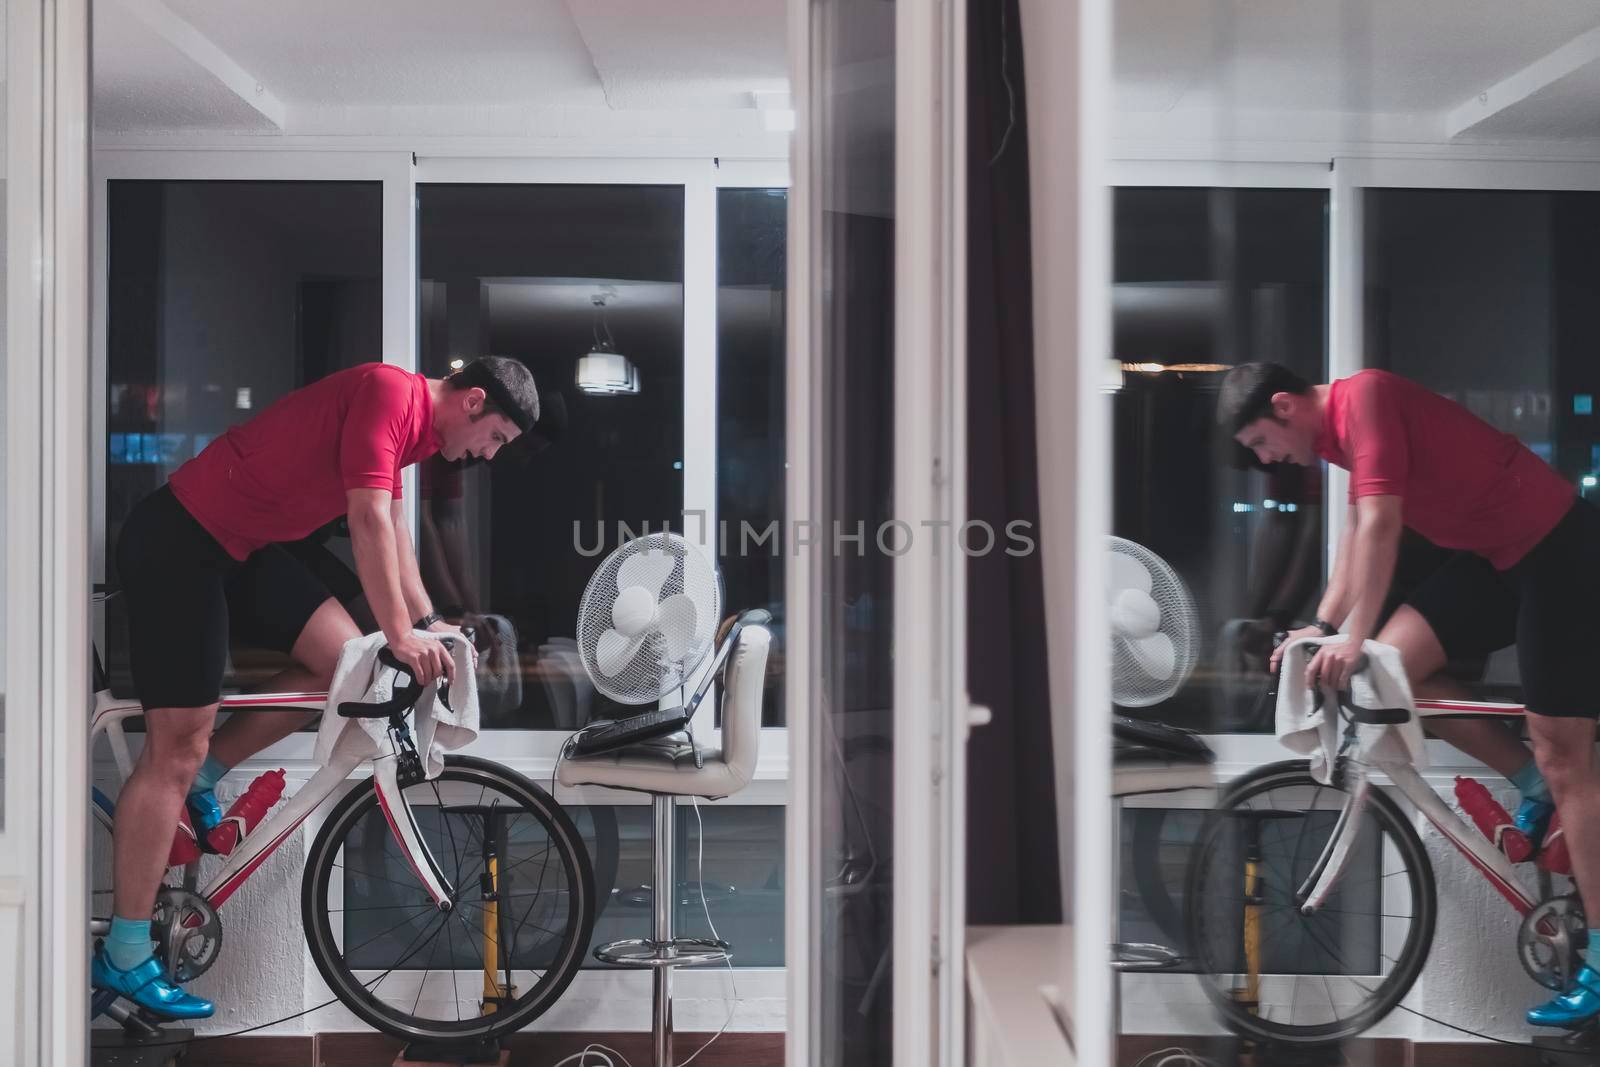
679,952
662,952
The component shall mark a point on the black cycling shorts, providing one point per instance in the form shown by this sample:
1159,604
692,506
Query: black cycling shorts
1546,604
186,598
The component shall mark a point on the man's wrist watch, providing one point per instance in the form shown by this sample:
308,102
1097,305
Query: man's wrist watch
428,620
1328,629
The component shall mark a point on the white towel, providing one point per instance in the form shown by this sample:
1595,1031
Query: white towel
437,729
1316,733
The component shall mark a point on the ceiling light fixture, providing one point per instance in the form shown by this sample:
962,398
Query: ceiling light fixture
603,371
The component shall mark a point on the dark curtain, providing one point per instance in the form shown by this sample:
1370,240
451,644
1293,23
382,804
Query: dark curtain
1012,874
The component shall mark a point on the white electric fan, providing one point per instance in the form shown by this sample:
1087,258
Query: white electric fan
1153,625
648,618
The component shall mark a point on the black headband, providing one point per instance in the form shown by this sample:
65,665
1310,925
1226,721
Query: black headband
477,375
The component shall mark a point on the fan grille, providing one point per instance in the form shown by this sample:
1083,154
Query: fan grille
650,673
1131,684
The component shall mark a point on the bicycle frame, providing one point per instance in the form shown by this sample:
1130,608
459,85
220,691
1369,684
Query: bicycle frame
111,714
1478,850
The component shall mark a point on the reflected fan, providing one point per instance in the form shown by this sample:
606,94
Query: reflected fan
1153,625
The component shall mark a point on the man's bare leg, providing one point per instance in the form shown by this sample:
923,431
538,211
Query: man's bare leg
1486,740
316,653
148,806
1565,751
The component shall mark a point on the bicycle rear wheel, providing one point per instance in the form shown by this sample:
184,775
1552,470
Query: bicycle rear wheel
522,912
1278,975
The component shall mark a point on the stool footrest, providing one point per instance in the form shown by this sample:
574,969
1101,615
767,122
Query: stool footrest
679,952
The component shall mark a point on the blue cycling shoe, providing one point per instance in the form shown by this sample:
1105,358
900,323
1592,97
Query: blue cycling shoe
1533,819
205,814
147,986
1574,1008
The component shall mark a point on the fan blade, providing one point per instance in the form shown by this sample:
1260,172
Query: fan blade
650,568
634,611
1135,614
676,619
1126,572
613,652
1155,655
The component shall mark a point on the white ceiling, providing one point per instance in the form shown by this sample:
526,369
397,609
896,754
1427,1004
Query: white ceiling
396,66
1417,63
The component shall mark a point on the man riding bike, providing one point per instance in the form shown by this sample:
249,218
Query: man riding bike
201,559
1526,571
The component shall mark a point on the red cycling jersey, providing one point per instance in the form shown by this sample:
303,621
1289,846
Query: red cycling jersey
1462,483
285,472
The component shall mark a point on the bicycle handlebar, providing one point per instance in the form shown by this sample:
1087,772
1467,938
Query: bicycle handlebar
1357,712
405,696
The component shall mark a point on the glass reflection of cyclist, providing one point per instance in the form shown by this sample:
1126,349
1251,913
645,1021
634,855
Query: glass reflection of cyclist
1526,570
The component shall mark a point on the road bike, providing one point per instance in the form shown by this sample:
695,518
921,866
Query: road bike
448,910
1310,906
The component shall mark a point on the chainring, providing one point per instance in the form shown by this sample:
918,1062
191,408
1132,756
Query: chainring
1550,940
188,931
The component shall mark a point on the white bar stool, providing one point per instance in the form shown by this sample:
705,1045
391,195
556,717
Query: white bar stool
668,768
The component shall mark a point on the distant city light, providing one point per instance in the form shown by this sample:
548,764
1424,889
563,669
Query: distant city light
1589,481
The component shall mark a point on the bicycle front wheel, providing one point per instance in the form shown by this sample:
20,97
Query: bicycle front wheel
1275,973
521,914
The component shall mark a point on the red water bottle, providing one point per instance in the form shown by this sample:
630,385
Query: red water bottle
1553,854
245,812
185,845
1493,821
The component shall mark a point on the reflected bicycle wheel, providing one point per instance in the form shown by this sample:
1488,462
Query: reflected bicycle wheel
1274,973
522,914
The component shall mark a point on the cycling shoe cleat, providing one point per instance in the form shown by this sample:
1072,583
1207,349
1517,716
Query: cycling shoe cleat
147,986
205,813
1533,819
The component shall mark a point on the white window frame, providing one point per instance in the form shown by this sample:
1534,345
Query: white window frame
623,997
534,751
531,752
44,835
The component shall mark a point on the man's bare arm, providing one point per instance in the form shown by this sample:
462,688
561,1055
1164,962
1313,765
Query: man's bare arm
1377,544
416,594
372,535
1336,599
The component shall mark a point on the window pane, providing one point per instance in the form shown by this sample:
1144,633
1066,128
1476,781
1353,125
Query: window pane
1488,298
853,241
516,270
752,246
743,880
221,298
1204,279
